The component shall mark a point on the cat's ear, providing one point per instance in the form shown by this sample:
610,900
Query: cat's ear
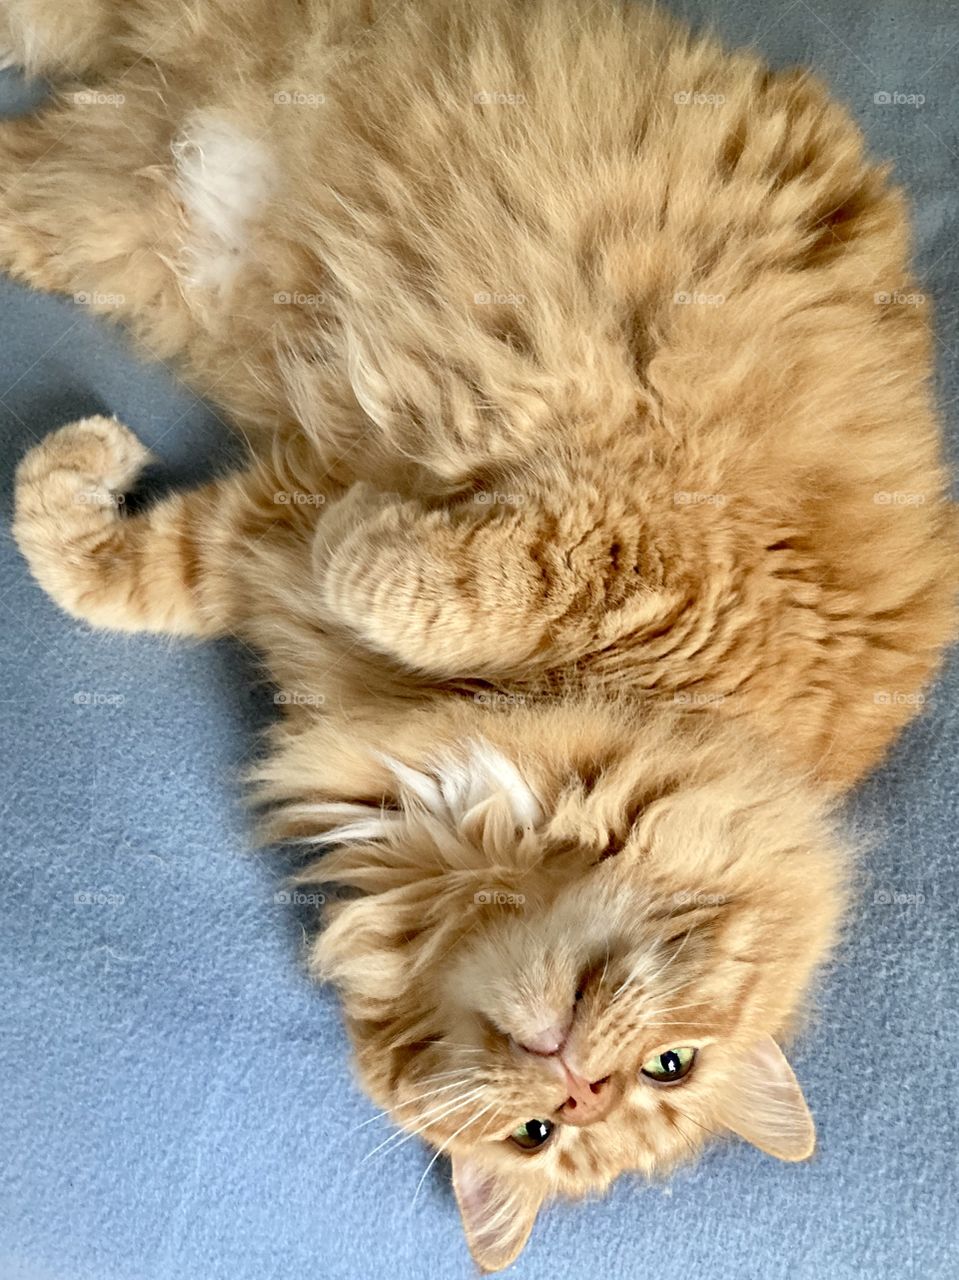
763,1103
498,1212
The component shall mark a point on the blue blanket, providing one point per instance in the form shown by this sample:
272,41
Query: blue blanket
175,1098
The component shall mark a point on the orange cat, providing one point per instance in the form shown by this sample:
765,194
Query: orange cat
594,526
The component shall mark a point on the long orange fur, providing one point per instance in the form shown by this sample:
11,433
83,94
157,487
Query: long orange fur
594,528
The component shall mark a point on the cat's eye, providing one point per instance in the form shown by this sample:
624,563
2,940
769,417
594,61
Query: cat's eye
531,1135
670,1066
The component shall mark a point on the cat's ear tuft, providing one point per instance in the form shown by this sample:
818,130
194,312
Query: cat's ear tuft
763,1103
498,1212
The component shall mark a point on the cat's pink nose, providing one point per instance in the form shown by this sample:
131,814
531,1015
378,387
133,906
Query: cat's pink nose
590,1101
548,1041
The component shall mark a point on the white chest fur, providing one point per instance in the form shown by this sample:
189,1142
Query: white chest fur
223,180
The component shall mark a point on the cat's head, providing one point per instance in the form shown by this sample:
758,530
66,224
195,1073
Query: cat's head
573,959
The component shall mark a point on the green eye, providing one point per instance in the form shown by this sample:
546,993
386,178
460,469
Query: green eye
531,1135
670,1066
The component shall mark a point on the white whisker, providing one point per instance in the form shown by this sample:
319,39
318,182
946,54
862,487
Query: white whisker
431,1117
420,1097
443,1146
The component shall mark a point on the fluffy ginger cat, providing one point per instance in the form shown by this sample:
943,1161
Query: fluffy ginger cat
594,526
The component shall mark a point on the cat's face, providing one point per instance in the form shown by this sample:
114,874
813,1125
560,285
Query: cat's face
601,995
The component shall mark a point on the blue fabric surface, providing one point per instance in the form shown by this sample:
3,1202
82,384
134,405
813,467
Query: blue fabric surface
175,1098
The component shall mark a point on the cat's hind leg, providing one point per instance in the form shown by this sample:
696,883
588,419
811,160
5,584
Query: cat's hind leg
81,210
155,570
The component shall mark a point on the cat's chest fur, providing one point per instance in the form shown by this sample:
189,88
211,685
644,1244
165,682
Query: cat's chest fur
616,387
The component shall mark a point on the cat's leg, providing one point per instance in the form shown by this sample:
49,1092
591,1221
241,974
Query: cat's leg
163,569
496,591
82,211
143,215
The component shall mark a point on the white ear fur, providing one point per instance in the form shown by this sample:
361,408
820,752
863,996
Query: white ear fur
455,789
498,1214
764,1104
457,793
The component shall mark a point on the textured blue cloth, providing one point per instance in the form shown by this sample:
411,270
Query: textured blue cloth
175,1098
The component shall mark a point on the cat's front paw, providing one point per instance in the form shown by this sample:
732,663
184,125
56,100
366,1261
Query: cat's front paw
69,495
